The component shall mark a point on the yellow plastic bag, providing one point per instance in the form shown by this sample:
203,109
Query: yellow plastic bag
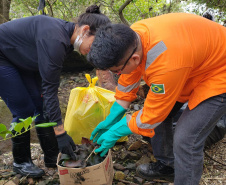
87,107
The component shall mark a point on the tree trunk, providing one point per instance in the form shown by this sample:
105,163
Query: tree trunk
4,10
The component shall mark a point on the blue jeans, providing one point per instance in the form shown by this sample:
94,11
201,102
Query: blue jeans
21,91
183,149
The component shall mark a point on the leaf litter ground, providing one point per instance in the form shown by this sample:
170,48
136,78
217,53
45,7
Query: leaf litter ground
214,170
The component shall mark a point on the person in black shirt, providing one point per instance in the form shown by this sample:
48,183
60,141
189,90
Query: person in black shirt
32,52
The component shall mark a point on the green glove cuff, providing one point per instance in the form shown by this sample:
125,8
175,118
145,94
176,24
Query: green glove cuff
116,113
109,138
121,128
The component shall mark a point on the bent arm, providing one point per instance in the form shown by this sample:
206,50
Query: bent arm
123,103
51,54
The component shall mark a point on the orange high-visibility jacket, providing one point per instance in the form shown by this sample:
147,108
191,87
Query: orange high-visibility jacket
184,59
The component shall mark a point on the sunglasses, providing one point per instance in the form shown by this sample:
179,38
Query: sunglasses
120,71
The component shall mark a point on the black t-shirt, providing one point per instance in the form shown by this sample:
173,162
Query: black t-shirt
38,43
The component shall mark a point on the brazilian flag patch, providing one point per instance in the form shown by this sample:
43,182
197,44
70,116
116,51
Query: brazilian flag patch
158,88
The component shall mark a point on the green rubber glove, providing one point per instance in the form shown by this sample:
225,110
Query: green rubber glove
116,113
109,138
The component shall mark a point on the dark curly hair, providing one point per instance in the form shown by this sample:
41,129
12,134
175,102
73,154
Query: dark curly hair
110,45
94,18
208,16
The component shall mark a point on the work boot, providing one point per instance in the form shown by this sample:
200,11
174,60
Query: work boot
156,171
22,156
49,145
28,169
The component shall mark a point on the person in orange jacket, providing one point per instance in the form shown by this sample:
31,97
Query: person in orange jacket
182,58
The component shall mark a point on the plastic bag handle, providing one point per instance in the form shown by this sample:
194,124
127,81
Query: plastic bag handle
92,82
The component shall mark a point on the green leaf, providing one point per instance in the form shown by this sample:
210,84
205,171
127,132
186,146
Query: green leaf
8,132
19,127
12,126
3,130
5,133
46,124
2,127
21,119
27,122
34,117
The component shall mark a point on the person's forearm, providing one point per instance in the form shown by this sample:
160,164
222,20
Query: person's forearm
123,103
59,129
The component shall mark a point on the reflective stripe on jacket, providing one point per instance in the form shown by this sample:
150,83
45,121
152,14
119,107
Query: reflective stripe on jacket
184,59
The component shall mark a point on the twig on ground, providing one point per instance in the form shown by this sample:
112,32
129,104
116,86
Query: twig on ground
23,178
214,159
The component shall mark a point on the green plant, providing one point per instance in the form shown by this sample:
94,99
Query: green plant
21,127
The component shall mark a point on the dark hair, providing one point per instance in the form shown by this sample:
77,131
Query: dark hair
110,45
94,18
208,16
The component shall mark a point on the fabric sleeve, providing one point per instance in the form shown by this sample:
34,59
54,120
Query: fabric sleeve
128,85
163,94
51,54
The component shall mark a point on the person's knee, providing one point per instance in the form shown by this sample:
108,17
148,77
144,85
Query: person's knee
23,113
180,143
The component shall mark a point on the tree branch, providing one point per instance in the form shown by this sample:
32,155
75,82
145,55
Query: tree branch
51,8
27,6
3,17
109,6
68,9
121,14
